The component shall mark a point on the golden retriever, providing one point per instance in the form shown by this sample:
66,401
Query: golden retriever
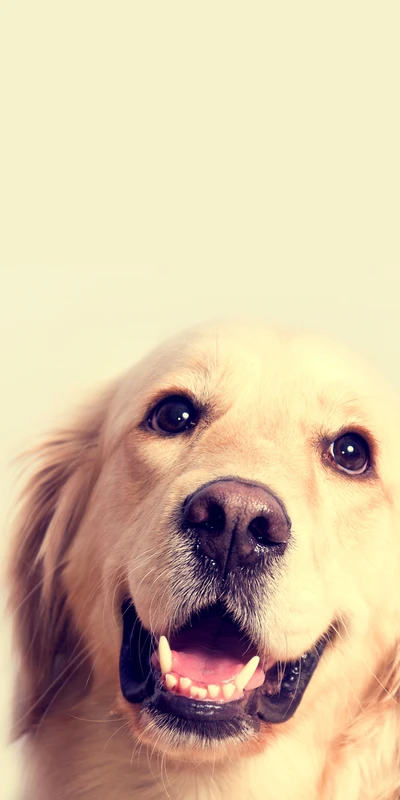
205,580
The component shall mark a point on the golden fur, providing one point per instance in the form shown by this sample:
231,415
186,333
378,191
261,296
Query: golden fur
94,523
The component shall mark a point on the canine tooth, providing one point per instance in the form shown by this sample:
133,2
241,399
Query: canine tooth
170,681
164,655
213,690
184,683
247,673
228,690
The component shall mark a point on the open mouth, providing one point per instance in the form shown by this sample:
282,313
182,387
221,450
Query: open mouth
208,678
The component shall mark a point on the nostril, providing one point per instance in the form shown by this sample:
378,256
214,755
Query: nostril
260,530
216,519
206,515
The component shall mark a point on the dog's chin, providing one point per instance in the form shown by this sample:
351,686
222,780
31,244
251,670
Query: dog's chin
164,737
198,698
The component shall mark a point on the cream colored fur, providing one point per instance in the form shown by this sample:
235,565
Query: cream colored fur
95,525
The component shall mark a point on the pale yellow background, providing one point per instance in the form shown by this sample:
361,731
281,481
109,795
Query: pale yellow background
169,162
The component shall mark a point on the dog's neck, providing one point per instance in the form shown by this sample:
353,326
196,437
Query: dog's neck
88,753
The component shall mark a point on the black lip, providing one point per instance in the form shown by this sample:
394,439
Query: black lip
137,676
274,702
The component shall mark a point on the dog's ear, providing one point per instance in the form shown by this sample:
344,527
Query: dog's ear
52,660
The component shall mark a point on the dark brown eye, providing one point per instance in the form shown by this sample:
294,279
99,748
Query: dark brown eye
350,453
173,415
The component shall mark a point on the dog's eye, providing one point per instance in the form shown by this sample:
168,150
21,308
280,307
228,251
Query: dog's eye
350,453
173,415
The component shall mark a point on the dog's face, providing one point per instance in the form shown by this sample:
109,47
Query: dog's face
233,562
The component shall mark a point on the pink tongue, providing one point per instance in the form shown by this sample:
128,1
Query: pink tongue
212,651
205,666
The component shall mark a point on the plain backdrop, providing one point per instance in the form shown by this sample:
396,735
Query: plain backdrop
166,163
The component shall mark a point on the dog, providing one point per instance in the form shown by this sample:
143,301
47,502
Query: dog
204,580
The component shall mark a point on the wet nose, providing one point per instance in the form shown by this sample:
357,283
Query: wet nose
236,522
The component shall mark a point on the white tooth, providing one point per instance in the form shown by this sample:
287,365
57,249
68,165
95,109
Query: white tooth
164,655
247,673
195,691
170,681
228,690
184,683
213,690
202,693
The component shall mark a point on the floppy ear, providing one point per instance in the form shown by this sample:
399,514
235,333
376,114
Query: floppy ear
53,661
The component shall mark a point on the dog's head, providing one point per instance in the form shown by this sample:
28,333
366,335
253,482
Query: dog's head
216,544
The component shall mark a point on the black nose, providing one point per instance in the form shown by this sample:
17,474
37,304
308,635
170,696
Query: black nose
236,522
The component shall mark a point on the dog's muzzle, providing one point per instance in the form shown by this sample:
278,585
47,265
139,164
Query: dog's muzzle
208,676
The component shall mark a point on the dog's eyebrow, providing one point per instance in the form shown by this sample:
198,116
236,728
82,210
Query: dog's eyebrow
197,380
